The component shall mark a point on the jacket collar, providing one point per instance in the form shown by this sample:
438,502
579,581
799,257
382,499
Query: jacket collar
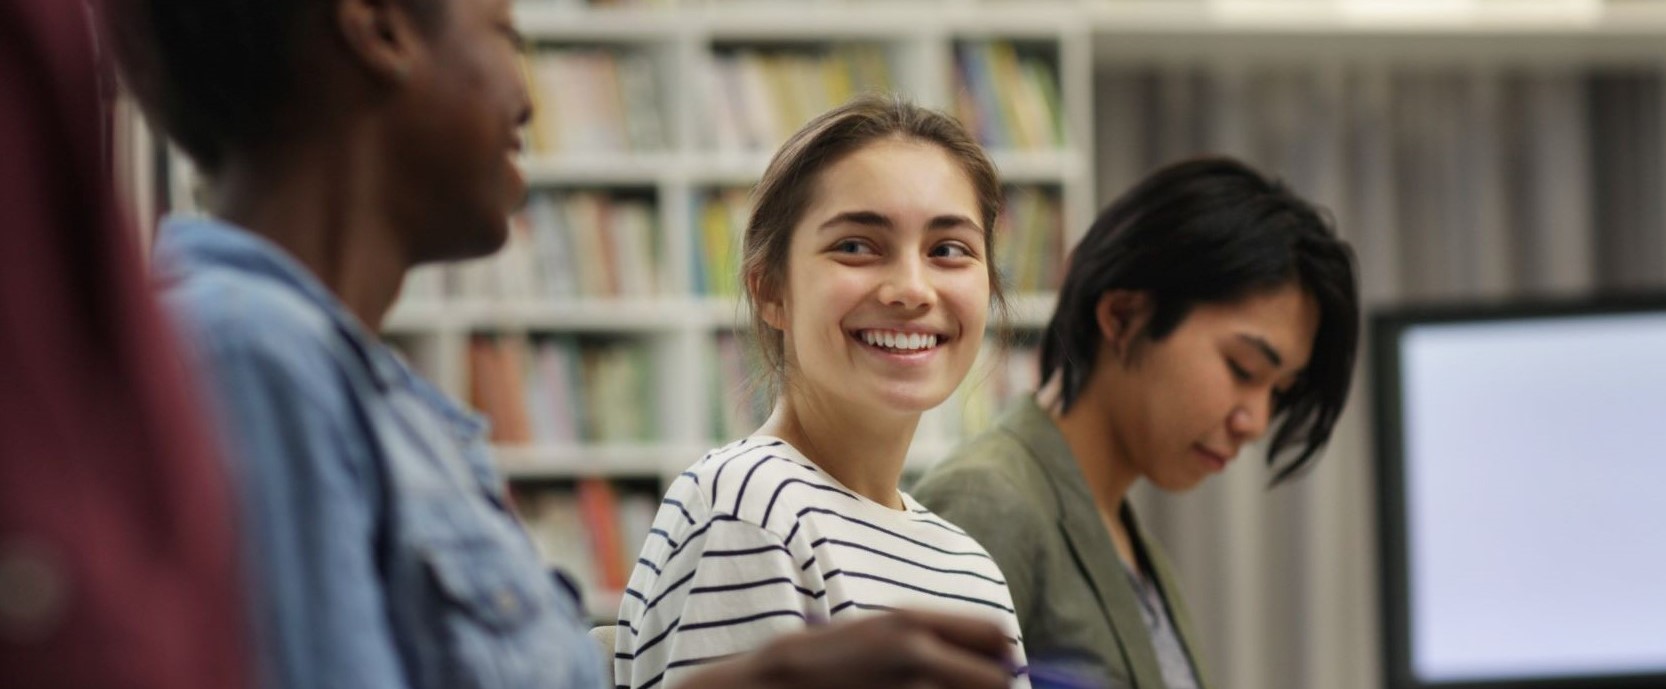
187,244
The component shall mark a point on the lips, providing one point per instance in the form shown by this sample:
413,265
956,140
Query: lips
1215,459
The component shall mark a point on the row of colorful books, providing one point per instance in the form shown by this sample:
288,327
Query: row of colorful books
563,390
594,100
591,530
1009,95
587,244
1029,242
757,98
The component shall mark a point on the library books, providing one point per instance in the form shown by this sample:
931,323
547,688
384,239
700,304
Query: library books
579,244
590,529
1029,242
562,390
758,97
594,100
720,217
1008,98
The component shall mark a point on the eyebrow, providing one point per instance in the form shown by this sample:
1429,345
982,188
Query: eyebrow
1265,347
872,219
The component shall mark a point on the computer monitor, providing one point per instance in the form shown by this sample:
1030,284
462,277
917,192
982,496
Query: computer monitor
1522,476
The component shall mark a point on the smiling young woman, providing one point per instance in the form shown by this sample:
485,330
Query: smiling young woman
1205,307
867,263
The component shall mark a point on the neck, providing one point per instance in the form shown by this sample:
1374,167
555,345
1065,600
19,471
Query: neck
328,205
865,452
1109,472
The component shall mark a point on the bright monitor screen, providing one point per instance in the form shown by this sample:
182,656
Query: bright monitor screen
1524,505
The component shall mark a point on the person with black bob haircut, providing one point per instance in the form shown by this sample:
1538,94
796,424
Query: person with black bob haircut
1204,307
346,141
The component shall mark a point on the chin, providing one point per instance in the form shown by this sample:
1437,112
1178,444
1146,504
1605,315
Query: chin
911,400
478,240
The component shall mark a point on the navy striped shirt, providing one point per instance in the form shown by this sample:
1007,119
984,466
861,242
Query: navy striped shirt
755,541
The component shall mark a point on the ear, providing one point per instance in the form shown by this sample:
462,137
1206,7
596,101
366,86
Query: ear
1122,315
771,307
381,36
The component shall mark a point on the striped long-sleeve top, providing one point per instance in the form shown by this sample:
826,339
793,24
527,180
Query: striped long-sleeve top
755,540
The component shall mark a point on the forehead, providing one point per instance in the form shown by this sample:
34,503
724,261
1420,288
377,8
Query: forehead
896,175
1286,318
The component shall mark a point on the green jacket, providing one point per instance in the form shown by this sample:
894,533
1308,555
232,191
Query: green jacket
1018,491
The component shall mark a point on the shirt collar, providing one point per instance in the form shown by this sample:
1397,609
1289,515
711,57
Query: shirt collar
186,244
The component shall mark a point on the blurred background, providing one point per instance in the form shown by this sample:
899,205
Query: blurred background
1469,149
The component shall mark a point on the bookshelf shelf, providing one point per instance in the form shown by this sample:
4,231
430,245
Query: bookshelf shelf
649,461
631,316
599,169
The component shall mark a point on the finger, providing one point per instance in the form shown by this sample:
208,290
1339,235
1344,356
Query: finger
974,635
944,664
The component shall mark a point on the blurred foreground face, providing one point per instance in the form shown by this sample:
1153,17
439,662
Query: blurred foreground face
1186,404
887,282
460,112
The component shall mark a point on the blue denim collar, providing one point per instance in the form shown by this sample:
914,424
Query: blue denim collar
189,243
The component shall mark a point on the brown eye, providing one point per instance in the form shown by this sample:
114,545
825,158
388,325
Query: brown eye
951,250
853,247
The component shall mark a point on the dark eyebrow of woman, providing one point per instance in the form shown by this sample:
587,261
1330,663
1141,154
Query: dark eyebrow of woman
867,218
872,219
1266,349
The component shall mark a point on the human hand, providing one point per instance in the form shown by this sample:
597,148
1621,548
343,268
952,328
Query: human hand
906,649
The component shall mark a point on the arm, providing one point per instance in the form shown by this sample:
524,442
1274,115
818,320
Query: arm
905,649
309,506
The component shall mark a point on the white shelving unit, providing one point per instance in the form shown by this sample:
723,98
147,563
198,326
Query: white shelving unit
682,326
1083,37
919,38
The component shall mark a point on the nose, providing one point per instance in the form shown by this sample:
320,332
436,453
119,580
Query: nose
1250,419
907,284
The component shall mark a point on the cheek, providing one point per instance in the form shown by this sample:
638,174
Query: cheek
1209,397
967,298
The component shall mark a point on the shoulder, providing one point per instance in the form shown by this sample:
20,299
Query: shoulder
991,479
256,325
766,483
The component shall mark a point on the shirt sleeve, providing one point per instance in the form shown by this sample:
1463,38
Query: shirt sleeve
729,588
310,499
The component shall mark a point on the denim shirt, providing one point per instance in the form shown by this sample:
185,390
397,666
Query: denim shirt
382,553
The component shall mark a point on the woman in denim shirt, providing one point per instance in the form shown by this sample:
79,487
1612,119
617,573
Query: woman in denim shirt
346,141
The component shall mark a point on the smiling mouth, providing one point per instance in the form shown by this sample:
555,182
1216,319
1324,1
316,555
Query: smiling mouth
898,342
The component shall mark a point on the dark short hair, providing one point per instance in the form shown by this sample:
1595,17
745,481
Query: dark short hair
1209,231
789,185
218,74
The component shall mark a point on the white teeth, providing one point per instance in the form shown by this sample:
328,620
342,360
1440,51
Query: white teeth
895,340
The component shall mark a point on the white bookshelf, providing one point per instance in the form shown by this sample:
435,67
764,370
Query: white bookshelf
684,41
1084,38
918,38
